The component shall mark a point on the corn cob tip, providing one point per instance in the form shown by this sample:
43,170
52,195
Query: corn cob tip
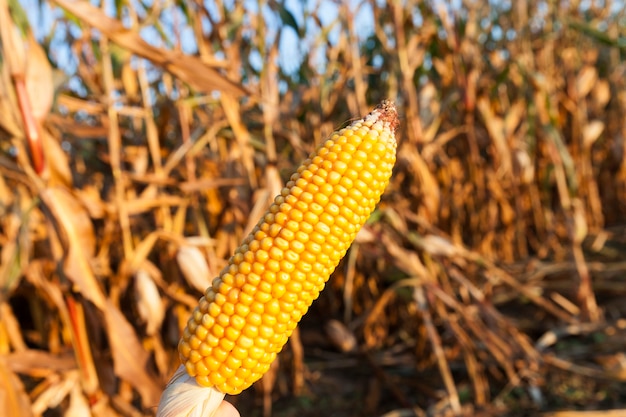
388,114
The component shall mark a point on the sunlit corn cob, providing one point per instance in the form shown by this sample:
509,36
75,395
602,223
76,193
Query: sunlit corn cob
247,315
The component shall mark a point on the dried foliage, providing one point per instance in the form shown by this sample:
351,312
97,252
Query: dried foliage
139,143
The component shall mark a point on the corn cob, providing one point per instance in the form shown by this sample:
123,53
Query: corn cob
246,316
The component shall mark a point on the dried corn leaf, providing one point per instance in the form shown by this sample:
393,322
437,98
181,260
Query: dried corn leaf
9,117
12,252
12,42
405,260
58,389
591,132
56,161
585,81
11,337
242,134
513,117
496,128
7,195
340,336
73,317
525,166
428,183
89,197
38,79
75,104
130,359
436,245
14,400
188,68
77,231
39,363
142,251
601,93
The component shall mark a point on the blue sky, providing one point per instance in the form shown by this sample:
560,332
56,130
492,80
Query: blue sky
291,49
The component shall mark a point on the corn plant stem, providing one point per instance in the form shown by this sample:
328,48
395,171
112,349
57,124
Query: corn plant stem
115,150
422,305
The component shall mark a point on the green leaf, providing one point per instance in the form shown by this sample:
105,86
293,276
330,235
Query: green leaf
19,16
598,35
288,19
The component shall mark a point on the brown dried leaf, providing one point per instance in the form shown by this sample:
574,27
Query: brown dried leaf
12,41
11,252
56,160
39,363
75,104
601,93
591,132
438,246
514,117
138,158
142,251
340,336
7,195
89,197
11,326
79,241
232,109
129,81
429,186
9,117
145,203
406,260
129,358
444,68
495,126
73,317
78,130
188,68
585,81
39,83
14,400
56,392
525,166
16,63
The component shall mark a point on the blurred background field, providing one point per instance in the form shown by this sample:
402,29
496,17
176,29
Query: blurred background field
140,141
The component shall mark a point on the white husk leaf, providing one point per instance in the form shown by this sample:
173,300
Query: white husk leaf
149,304
194,267
183,397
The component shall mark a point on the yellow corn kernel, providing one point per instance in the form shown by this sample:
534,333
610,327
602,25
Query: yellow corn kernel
246,316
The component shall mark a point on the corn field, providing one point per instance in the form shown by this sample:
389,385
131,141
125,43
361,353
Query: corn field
140,142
